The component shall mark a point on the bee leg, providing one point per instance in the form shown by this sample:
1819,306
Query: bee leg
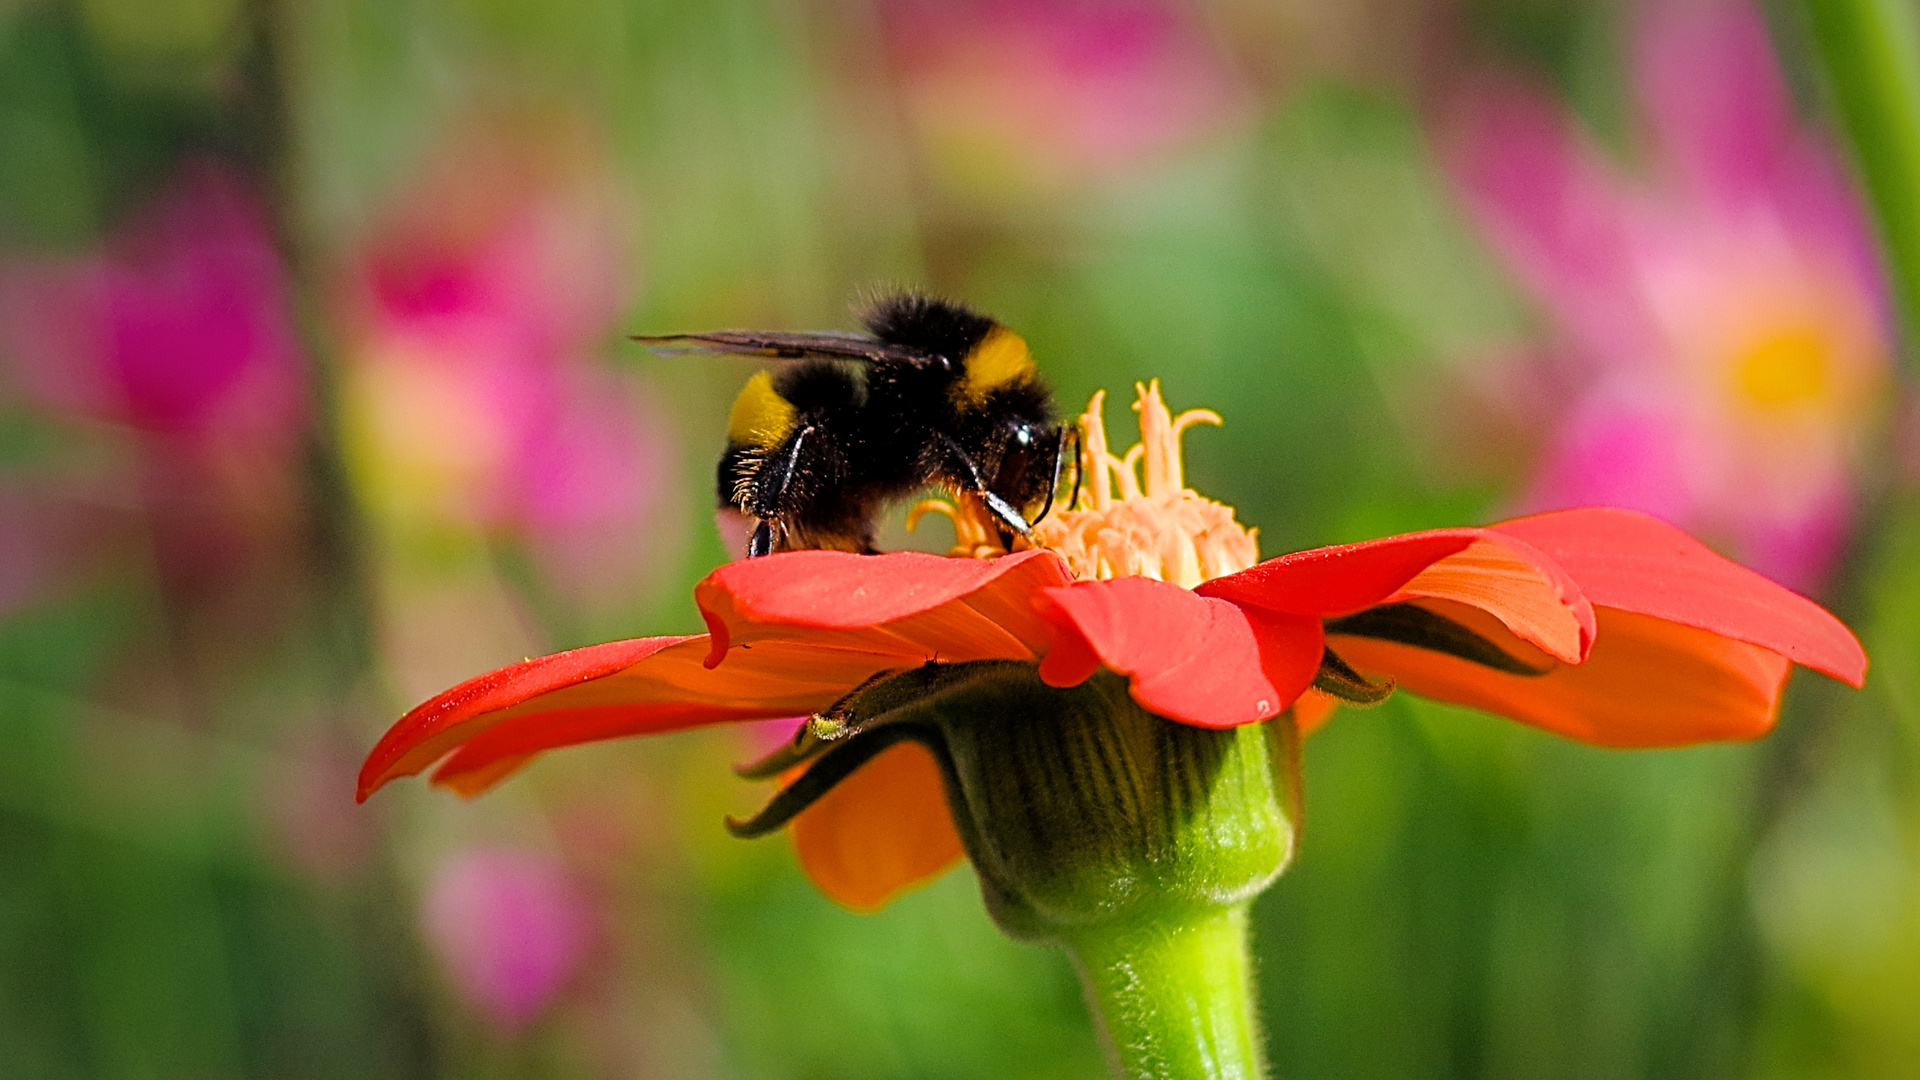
1004,510
1000,507
769,502
762,542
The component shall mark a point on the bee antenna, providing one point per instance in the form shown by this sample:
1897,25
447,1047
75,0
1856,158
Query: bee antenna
1059,445
1079,473
1060,437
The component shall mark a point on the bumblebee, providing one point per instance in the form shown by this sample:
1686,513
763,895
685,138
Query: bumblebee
933,394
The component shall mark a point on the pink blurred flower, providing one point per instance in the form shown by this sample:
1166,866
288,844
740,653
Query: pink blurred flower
177,325
1723,319
505,249
1045,93
176,328
473,397
511,927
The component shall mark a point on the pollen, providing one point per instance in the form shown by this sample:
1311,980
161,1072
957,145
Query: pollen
1135,516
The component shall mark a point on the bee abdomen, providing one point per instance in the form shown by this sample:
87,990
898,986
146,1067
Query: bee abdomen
761,417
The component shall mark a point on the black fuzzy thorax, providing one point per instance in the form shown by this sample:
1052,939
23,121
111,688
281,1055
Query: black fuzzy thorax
911,403
937,327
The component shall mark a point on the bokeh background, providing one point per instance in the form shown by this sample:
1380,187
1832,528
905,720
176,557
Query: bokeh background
315,398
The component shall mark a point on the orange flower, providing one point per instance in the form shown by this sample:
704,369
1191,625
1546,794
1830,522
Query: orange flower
1602,625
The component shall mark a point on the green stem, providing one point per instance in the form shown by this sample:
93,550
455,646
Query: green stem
1870,50
1134,842
1173,997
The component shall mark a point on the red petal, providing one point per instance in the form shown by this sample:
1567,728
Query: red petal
1516,584
1647,682
1338,580
1633,562
435,727
639,687
957,609
1191,658
1525,589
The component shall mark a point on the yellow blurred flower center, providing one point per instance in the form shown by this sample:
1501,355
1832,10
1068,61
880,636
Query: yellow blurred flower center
1791,366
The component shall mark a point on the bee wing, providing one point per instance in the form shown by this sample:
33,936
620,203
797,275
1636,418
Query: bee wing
829,344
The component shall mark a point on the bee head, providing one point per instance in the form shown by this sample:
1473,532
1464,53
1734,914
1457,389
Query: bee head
1029,466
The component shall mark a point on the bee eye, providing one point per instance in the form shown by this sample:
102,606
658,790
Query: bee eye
1023,435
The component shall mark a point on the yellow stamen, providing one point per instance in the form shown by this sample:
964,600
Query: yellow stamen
1093,447
1156,429
1166,531
1127,469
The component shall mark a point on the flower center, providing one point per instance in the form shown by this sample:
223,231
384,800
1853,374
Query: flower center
1788,367
1124,525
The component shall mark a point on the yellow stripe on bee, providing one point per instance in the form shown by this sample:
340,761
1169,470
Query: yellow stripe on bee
760,417
999,359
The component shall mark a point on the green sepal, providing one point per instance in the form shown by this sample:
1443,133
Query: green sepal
822,776
806,745
886,709
1338,678
836,723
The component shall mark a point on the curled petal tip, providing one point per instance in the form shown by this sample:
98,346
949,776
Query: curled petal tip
371,779
717,636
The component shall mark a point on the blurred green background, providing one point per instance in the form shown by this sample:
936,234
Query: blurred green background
316,398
